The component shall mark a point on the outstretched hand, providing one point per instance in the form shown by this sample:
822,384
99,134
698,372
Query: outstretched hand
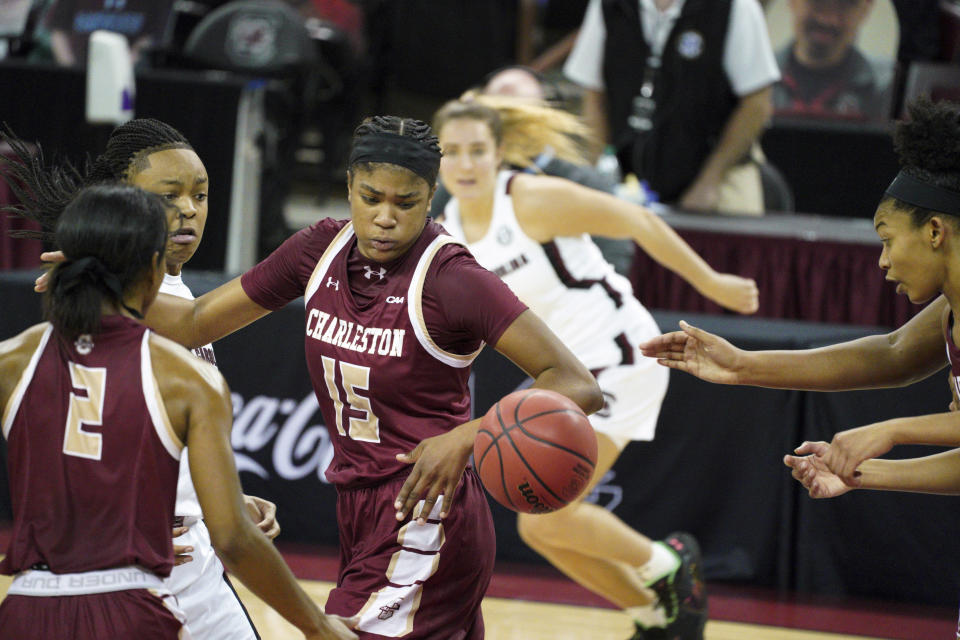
696,352
811,471
733,292
849,449
438,465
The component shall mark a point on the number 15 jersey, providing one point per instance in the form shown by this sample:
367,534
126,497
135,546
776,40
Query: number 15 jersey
388,345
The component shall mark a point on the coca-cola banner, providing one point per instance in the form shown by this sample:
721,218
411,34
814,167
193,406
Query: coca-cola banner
714,468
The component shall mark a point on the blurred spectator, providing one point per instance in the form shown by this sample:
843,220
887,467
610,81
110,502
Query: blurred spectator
71,22
824,73
682,89
515,82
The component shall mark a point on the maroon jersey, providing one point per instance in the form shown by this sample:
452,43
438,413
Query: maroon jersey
388,345
92,458
953,355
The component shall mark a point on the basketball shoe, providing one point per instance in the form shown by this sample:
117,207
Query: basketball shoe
682,595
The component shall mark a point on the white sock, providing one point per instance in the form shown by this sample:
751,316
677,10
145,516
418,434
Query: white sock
663,561
648,616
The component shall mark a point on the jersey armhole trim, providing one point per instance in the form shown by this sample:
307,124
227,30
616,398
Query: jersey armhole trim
339,241
13,405
151,395
415,308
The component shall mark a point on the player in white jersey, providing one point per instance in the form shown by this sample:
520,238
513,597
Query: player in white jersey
533,232
203,591
157,158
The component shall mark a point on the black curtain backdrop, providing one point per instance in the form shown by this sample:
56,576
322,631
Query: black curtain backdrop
714,469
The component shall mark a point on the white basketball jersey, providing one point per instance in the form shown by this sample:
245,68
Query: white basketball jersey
188,505
566,282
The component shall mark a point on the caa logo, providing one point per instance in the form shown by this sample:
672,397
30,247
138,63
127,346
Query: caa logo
395,300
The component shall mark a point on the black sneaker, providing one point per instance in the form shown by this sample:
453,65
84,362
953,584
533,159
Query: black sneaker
653,633
682,594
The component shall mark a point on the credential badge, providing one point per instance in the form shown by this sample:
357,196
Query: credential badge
690,44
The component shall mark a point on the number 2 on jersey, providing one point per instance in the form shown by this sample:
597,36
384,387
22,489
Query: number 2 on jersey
85,410
353,378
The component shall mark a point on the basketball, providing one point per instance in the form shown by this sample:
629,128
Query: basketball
535,451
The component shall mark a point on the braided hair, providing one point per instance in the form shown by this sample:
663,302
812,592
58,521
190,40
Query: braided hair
44,192
416,130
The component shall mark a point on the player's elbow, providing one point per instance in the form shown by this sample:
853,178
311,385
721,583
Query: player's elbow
587,395
232,542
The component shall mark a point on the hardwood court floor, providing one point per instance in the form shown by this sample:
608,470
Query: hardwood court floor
524,620
537,603
514,619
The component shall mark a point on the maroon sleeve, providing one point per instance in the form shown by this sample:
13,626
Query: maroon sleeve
283,275
473,303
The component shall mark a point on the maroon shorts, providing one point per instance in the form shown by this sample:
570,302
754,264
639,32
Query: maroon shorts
135,614
410,580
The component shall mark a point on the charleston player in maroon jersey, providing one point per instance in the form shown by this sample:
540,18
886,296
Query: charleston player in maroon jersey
154,156
96,410
396,311
918,221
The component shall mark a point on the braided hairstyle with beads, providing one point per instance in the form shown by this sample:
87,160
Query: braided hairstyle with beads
44,192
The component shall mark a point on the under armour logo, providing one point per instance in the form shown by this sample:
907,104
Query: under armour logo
333,283
370,272
387,612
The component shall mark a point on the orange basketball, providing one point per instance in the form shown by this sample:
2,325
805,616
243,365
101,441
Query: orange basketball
535,451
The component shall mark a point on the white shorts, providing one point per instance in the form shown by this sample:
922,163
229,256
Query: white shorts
632,393
213,610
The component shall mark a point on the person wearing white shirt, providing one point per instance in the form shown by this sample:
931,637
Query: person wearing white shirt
682,89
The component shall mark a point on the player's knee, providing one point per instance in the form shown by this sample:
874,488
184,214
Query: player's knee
546,529
530,528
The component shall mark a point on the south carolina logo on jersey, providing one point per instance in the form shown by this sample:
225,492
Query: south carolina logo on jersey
690,45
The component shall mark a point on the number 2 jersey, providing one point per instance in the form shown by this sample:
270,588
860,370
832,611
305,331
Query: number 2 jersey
388,345
92,458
